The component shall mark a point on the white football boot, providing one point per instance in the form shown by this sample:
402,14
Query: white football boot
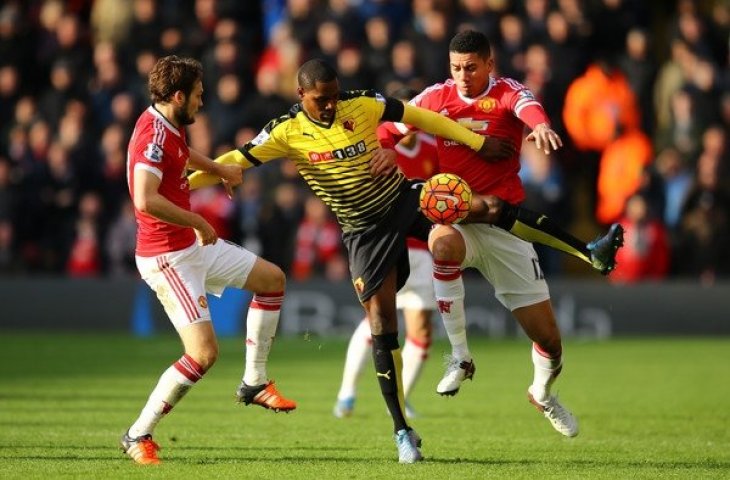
560,417
456,372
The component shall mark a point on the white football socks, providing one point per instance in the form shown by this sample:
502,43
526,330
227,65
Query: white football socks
414,354
449,289
358,352
546,371
261,323
174,383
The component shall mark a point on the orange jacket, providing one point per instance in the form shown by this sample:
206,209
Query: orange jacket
621,173
595,105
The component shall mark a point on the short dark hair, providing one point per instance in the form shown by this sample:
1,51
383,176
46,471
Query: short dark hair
314,71
471,41
173,73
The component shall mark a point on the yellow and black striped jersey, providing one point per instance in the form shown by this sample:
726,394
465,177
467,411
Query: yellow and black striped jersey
334,158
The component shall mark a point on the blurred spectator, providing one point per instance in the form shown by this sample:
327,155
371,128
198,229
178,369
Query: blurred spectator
329,42
638,66
145,27
599,107
226,108
10,261
376,53
511,47
121,242
621,173
352,75
111,21
433,42
704,230
85,256
677,180
671,77
404,69
318,240
9,93
347,19
536,12
304,21
683,131
645,255
248,209
278,224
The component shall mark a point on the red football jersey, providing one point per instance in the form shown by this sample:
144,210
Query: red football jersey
160,148
420,161
501,111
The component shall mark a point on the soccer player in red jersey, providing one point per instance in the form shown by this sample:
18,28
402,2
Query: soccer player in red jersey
417,158
498,107
181,258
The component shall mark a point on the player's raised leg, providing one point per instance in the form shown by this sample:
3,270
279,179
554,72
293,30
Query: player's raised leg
449,250
268,282
358,351
538,228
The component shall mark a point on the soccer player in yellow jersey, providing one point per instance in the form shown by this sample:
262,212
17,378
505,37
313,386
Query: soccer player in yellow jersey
331,136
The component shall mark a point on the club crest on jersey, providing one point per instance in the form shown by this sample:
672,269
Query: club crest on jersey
153,153
202,301
349,124
487,104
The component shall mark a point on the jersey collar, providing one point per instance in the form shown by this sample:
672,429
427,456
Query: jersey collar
483,94
317,122
163,119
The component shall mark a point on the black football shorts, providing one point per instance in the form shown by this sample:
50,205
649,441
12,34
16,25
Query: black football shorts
374,251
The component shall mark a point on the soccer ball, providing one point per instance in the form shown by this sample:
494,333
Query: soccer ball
445,198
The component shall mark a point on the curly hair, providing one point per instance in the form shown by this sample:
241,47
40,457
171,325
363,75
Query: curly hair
173,73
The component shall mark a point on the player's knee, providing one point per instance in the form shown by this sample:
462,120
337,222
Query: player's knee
206,357
553,347
275,280
448,248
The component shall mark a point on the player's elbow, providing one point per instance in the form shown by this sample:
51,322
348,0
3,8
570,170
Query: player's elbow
143,204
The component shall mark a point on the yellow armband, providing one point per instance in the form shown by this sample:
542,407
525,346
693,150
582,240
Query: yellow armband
201,179
441,126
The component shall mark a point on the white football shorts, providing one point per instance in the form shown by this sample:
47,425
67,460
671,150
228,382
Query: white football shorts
509,263
417,293
182,278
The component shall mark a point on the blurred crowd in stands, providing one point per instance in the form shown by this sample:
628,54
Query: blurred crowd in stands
639,91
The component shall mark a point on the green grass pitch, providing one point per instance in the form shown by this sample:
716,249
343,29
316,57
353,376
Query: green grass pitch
648,408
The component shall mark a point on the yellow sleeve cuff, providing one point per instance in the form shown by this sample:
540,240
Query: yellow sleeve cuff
202,179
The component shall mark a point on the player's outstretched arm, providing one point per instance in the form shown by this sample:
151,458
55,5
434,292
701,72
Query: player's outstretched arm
489,148
435,124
